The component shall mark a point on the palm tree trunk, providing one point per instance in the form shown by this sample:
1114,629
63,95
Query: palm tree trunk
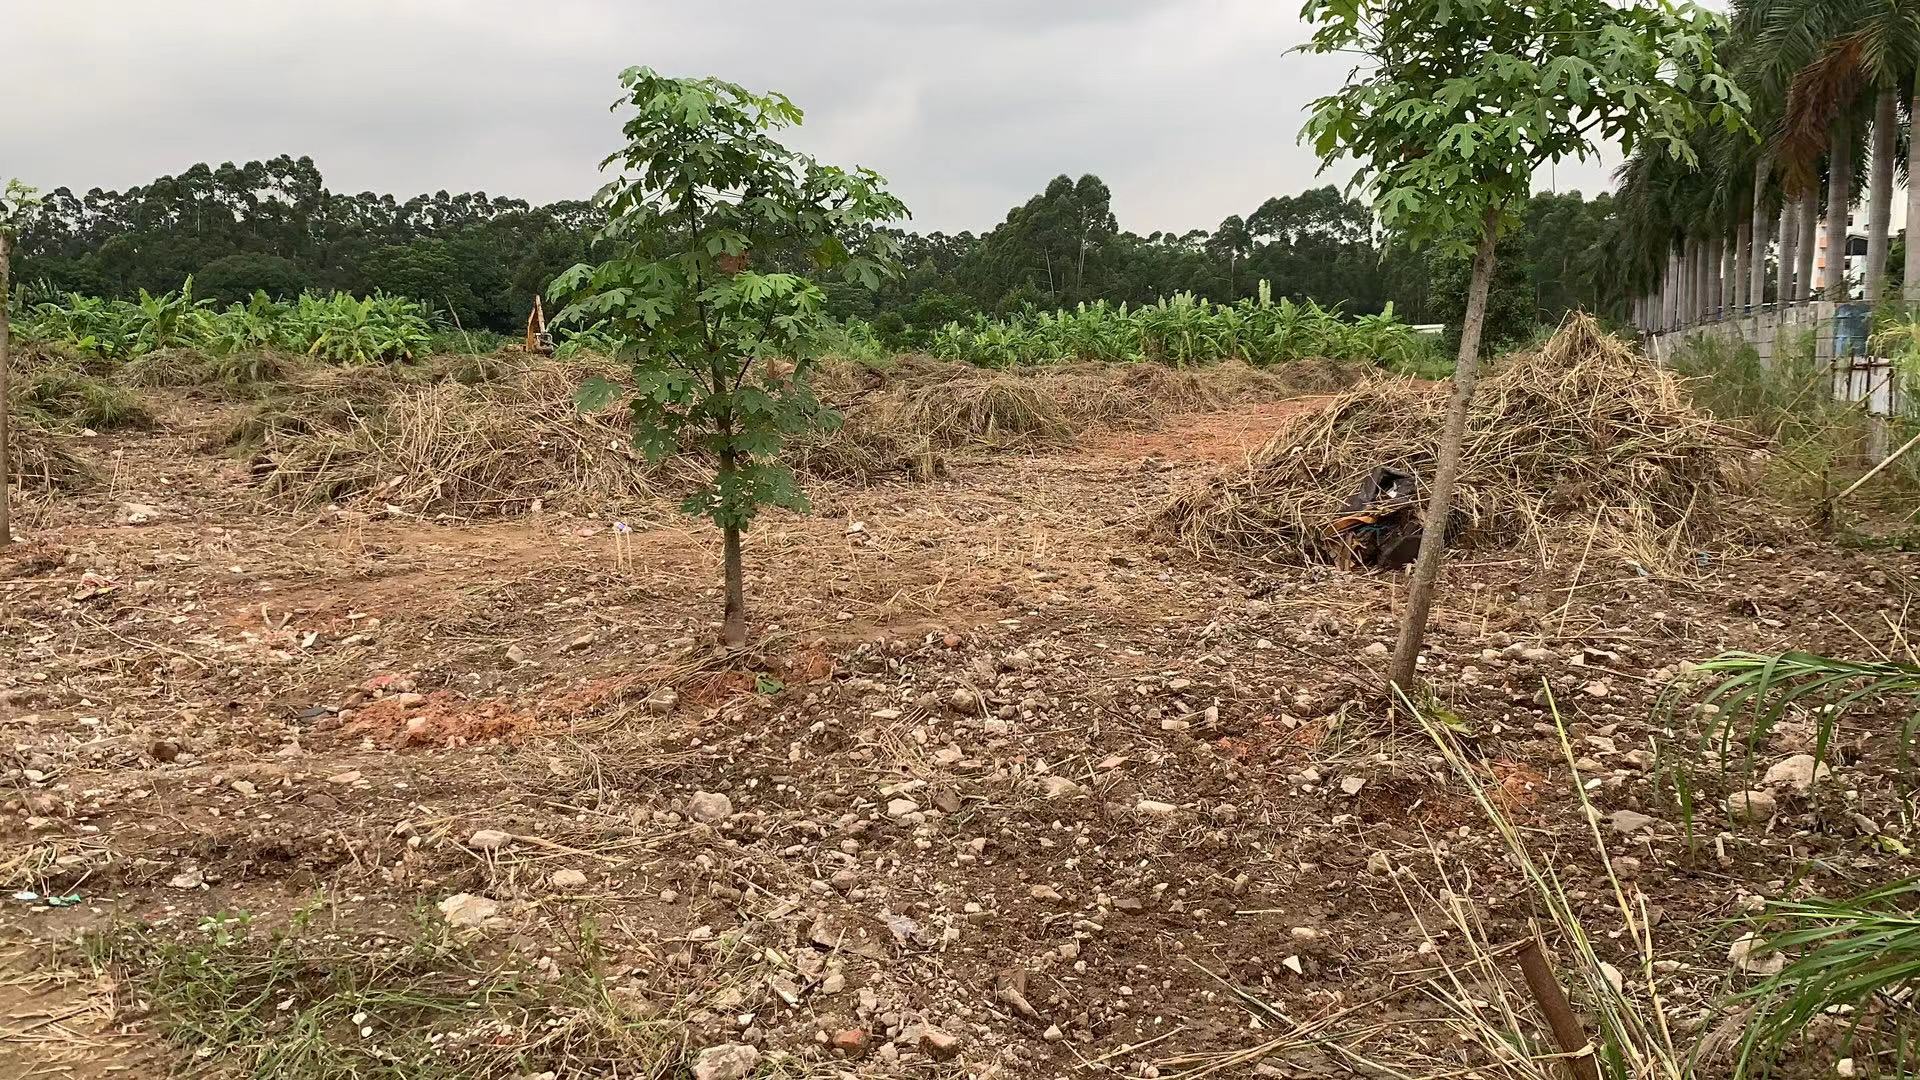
1789,250
1742,266
1716,276
1433,536
1757,253
1670,292
1699,281
1910,284
1809,217
1886,114
1839,195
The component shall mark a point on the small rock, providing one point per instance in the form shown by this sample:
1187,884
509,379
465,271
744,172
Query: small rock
186,879
1155,808
569,878
850,1040
729,1061
899,808
1742,954
662,701
516,654
1058,787
1751,807
163,750
344,778
1598,688
844,880
581,642
1798,772
1379,865
490,840
134,513
467,911
941,1045
709,807
1378,648
1351,785
1628,822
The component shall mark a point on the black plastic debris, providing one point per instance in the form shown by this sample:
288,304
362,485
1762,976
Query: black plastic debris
1379,526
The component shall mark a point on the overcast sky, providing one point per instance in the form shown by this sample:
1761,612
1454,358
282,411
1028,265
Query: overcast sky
1189,109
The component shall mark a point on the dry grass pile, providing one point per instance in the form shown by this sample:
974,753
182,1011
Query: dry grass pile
491,448
900,417
430,439
40,460
1584,434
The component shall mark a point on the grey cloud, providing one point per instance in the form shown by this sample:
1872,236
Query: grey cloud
1189,109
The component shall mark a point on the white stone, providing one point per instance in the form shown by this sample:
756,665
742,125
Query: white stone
467,911
1798,772
729,1061
1751,807
709,807
490,839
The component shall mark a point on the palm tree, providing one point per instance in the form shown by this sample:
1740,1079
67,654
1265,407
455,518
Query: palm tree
1842,64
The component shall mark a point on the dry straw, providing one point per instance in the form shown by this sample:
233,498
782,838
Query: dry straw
41,461
496,445
1582,434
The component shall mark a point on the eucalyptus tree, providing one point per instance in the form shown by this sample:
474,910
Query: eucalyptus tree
705,205
1457,105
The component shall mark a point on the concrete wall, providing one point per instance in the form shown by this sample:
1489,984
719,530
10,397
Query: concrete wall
1767,330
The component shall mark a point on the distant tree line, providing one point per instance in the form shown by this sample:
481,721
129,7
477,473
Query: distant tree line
275,226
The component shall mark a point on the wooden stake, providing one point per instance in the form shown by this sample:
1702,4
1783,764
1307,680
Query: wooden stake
1553,1002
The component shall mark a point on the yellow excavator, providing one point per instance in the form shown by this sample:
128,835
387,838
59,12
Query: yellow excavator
538,339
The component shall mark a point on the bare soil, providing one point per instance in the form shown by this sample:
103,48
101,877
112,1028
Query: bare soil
999,765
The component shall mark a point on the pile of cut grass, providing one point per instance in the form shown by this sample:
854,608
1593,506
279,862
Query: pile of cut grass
492,447
900,417
51,390
1583,434
428,439
40,460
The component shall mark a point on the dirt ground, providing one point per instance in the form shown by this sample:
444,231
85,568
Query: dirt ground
1006,788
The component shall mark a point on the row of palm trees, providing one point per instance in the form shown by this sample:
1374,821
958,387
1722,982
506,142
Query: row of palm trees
1763,217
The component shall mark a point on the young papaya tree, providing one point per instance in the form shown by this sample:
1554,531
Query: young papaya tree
15,200
1457,103
711,222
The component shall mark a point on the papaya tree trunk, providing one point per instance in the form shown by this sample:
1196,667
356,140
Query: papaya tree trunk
6,435
1886,111
1433,536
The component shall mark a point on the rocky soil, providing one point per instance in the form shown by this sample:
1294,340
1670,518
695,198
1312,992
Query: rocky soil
1004,788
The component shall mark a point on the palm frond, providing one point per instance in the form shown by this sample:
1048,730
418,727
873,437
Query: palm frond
1820,93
